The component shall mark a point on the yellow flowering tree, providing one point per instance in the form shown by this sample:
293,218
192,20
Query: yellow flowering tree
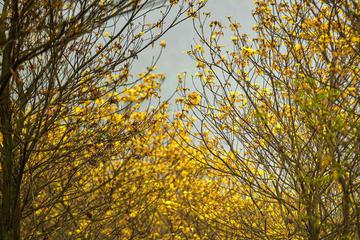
65,91
146,185
280,114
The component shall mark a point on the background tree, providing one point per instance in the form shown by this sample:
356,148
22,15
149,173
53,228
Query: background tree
63,65
152,188
280,113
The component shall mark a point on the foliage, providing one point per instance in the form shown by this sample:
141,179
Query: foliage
265,145
68,102
280,113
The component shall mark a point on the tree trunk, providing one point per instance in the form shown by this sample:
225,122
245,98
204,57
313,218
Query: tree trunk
10,181
345,209
313,217
314,230
10,207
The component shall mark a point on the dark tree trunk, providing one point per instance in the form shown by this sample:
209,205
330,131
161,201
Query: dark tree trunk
10,181
10,210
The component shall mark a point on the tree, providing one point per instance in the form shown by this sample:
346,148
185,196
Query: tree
280,114
153,187
64,64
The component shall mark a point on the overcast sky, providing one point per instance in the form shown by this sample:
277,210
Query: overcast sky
180,39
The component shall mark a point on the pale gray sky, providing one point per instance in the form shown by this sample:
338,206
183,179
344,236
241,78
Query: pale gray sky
180,39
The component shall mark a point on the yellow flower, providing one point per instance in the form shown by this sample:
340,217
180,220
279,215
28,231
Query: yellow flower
194,98
106,34
297,47
162,43
249,50
198,48
78,110
235,39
